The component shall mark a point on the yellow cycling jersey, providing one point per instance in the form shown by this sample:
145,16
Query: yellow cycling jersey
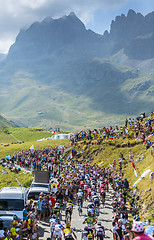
28,223
70,205
13,231
67,231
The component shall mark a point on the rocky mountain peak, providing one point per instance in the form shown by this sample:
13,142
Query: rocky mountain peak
47,20
131,13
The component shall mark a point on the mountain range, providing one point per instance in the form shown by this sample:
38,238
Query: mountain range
59,74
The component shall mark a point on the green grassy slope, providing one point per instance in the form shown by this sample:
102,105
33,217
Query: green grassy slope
16,135
9,179
15,139
5,137
4,123
29,134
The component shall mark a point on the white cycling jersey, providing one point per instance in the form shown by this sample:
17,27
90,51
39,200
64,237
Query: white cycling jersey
80,194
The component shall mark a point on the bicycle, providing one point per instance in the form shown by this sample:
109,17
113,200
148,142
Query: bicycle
97,211
68,217
80,209
103,198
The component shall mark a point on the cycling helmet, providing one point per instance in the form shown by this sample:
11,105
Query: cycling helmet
70,201
54,216
89,214
86,228
90,236
99,223
68,225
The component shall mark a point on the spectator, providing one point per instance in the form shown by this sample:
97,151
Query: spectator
39,208
44,207
148,144
52,201
152,150
128,235
25,212
138,231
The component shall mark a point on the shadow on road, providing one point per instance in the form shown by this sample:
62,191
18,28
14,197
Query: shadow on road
108,207
45,224
107,236
42,231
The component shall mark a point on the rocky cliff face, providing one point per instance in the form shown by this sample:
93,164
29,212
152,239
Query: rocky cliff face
126,29
51,37
68,38
141,47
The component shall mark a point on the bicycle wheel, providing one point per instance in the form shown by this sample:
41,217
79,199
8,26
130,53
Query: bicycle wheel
68,218
80,211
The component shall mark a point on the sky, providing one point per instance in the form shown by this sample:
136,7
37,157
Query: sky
95,14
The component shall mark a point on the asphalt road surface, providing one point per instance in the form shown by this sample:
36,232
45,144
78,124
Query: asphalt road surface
105,217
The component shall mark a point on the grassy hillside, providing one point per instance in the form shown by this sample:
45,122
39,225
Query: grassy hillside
15,139
24,178
15,135
4,123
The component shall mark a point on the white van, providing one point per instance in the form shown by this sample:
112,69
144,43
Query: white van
34,192
13,200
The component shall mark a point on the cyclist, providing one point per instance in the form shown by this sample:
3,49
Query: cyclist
89,192
80,197
86,232
85,190
58,231
107,184
96,200
53,221
69,233
90,221
69,209
91,209
57,209
99,231
90,205
70,204
103,194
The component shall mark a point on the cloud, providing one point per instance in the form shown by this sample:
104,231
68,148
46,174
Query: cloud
17,14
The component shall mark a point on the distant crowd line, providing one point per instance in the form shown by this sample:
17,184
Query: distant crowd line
141,128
